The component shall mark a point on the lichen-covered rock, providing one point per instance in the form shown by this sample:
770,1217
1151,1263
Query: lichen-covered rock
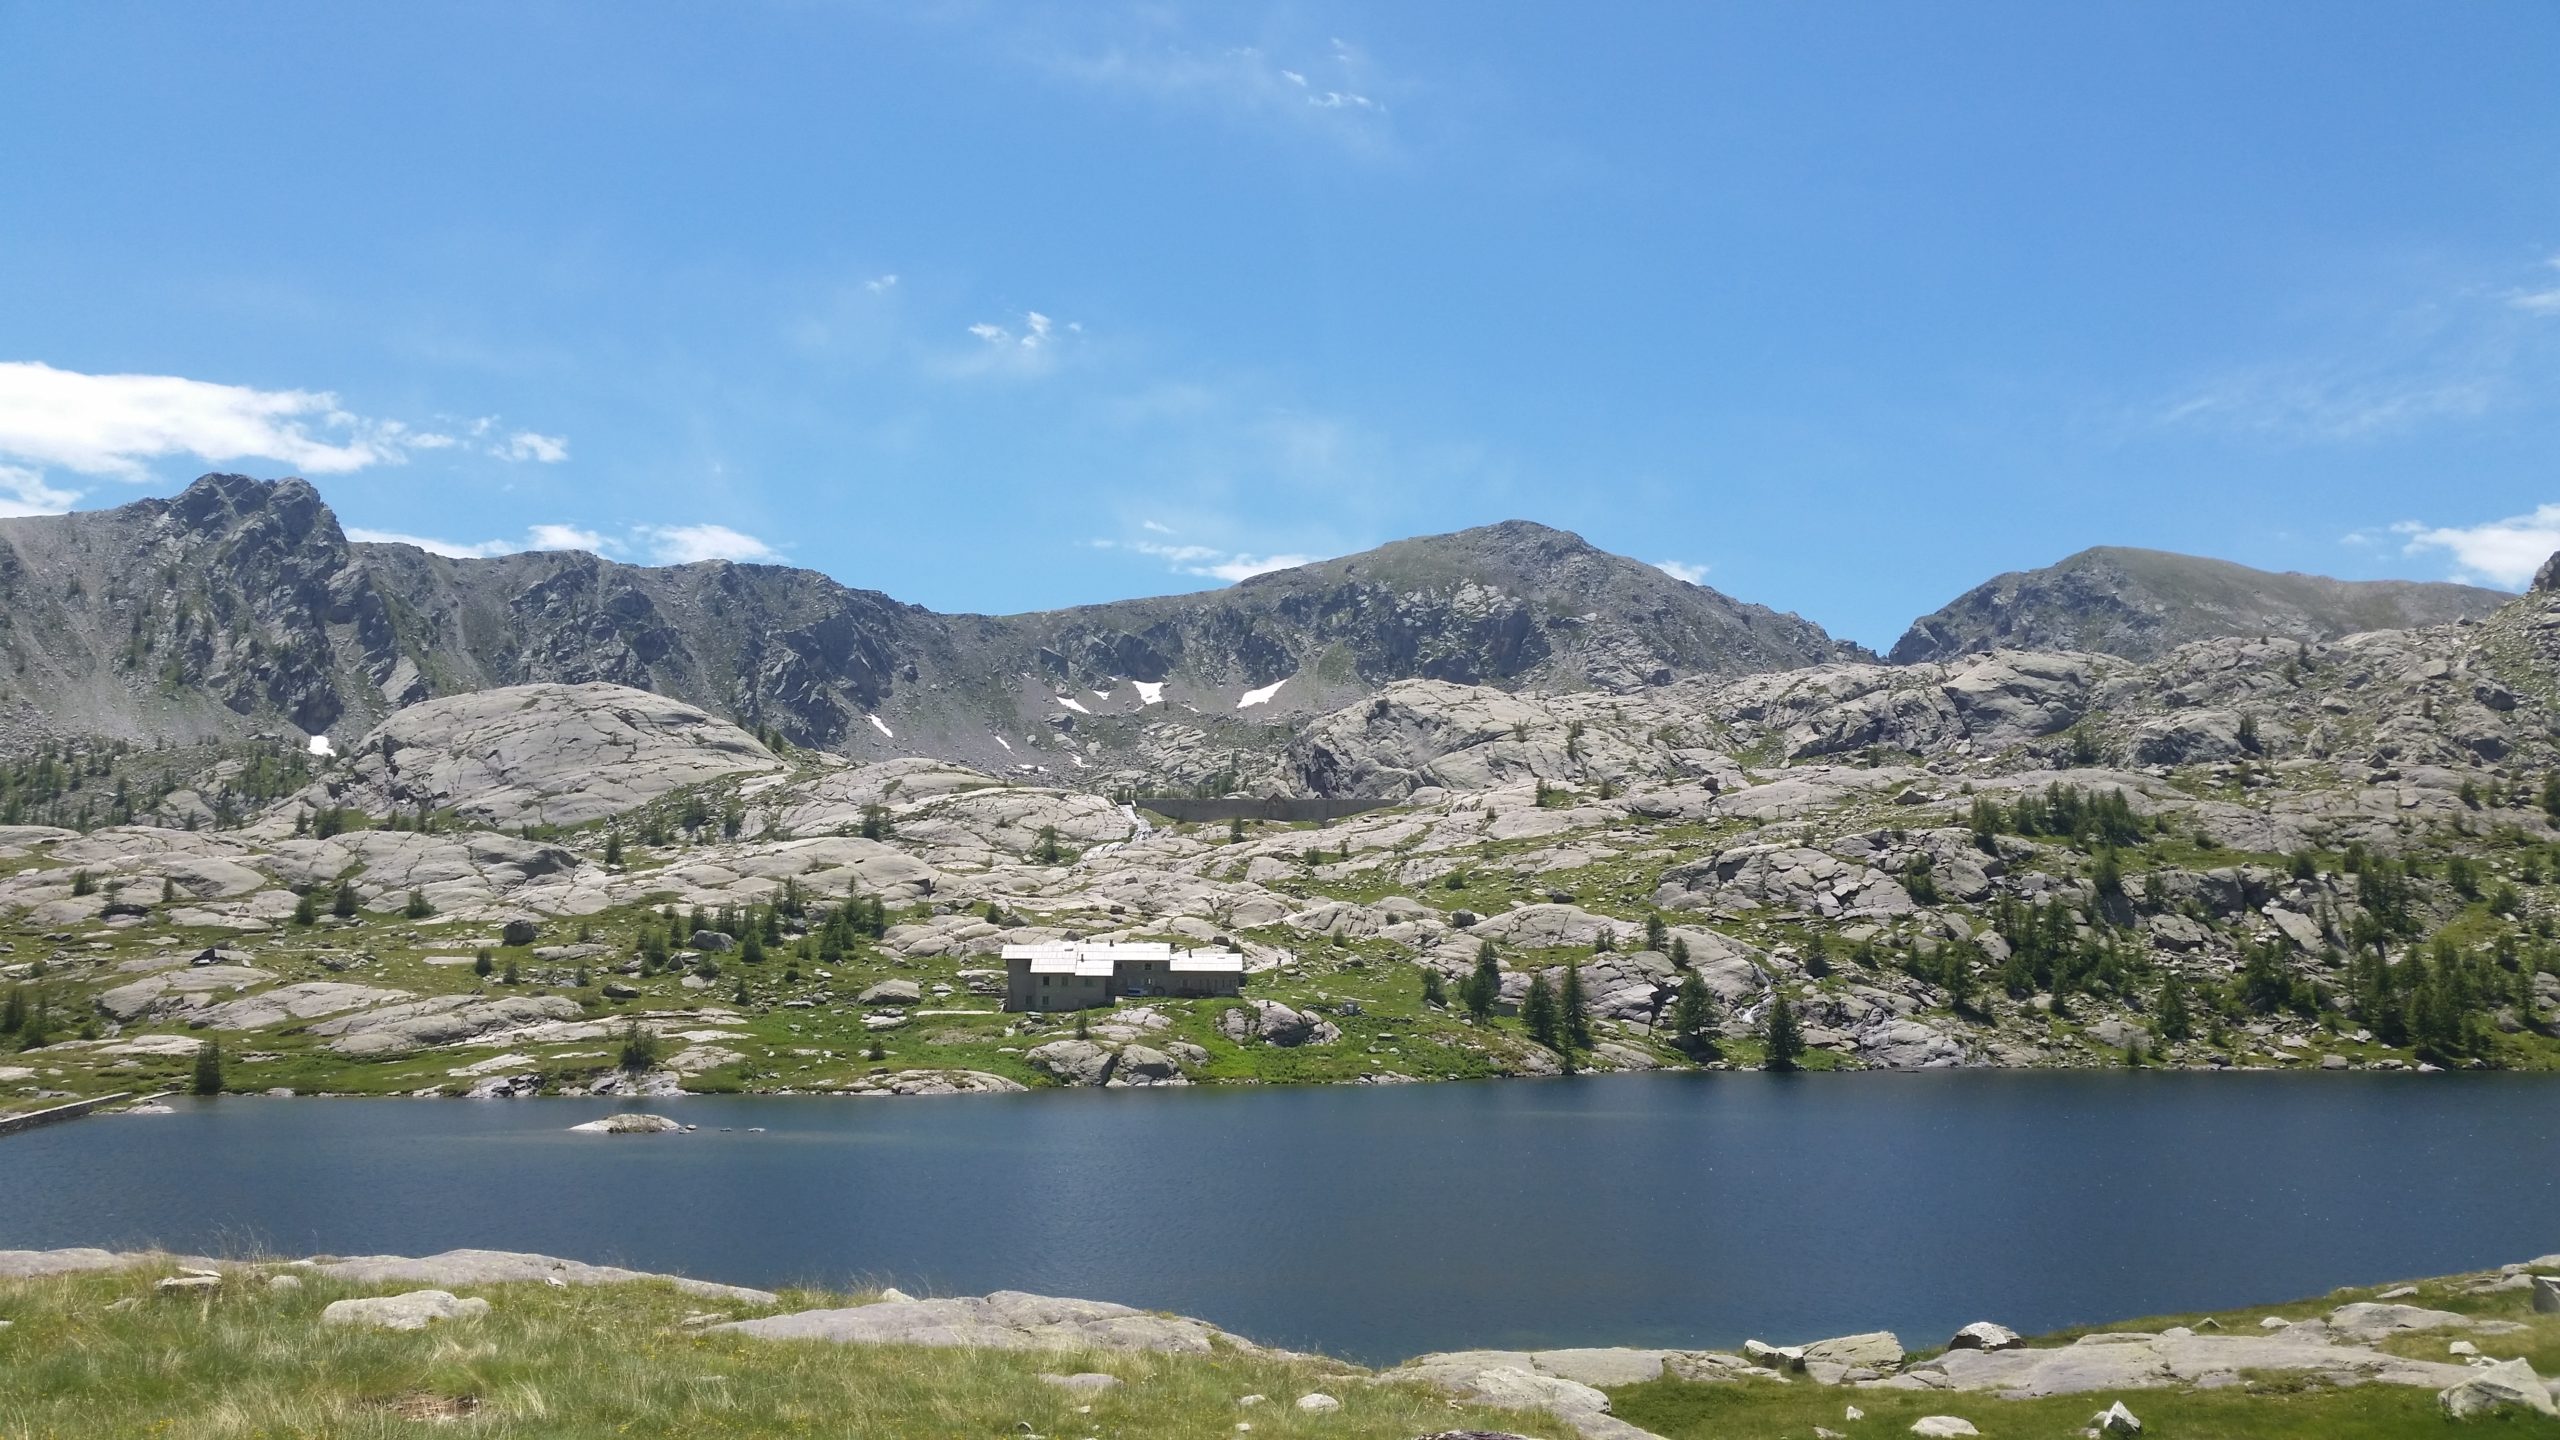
414,1311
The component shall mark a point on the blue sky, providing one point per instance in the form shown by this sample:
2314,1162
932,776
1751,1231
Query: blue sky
1839,308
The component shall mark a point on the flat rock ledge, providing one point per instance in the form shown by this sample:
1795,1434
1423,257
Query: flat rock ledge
1005,1320
452,1268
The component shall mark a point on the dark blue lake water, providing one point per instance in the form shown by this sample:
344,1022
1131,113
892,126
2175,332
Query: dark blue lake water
1377,1223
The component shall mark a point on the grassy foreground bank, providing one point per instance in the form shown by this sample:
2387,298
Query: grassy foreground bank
247,1363
108,1354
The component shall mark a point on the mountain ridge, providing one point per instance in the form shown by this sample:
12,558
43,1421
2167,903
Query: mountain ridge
2140,604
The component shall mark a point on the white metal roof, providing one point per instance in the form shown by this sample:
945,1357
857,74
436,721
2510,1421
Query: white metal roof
1068,957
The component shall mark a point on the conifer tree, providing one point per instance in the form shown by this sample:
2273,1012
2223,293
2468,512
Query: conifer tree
1784,1043
209,1068
1538,1012
1483,989
1692,1016
1573,1010
343,904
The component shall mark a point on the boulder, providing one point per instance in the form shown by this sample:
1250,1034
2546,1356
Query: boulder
1277,1024
414,1311
1774,1357
2546,1294
1875,1350
2115,1420
1071,1062
1943,1427
628,1124
2365,1322
1318,1403
1086,1382
1984,1335
2507,1385
1142,1065
519,933
892,992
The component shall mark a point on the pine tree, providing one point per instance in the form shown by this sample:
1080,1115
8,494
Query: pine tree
1784,1043
1538,1012
13,1011
1574,1010
2176,1020
418,908
343,904
305,912
1656,933
1693,1014
209,1068
1483,988
482,964
1434,991
613,848
751,949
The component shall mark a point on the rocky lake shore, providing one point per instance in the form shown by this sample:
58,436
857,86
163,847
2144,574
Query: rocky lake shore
139,1343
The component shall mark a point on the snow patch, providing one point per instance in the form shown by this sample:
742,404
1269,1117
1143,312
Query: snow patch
320,746
881,725
1073,704
1262,696
1150,692
1007,744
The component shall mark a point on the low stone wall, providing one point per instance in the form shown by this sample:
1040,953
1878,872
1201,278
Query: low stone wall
12,1124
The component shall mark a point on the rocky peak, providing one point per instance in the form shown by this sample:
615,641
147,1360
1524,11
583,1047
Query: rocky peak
2143,603
2547,579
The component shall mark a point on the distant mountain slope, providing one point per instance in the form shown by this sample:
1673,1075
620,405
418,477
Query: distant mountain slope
240,604
2143,603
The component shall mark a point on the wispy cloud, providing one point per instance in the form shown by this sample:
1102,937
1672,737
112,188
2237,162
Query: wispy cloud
1682,570
2496,552
660,544
1205,560
685,544
1027,347
1334,91
881,284
530,445
23,492
2308,404
2445,357
2544,300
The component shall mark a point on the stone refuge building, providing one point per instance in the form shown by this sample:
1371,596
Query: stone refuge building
1073,975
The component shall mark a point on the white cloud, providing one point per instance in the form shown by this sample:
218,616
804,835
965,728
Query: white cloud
23,492
2496,552
569,537
1029,349
113,424
881,284
1682,570
1206,560
528,445
685,544
1155,527
662,544
450,549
